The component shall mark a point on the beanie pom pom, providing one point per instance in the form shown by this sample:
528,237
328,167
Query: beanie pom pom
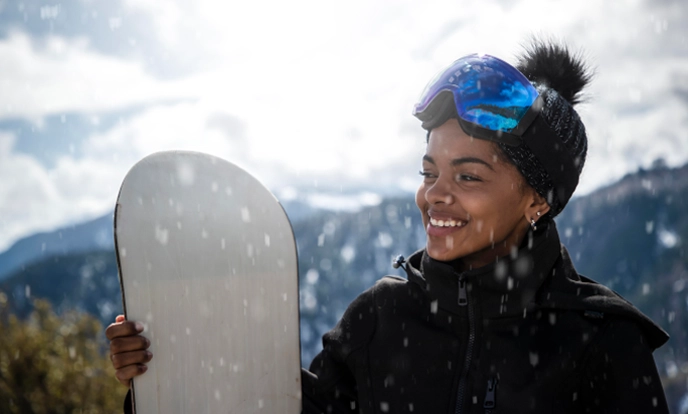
552,65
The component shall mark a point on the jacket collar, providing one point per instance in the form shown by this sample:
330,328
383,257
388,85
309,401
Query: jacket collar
503,288
540,276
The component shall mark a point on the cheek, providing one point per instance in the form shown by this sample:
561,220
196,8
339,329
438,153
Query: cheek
420,200
493,211
502,212
422,204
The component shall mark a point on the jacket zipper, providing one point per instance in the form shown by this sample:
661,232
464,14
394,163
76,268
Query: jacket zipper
490,395
463,301
463,295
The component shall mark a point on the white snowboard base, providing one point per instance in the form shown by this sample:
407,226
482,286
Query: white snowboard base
208,263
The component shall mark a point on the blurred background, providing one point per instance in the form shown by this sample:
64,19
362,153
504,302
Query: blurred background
314,98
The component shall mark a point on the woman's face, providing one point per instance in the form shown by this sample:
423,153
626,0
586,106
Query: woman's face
475,205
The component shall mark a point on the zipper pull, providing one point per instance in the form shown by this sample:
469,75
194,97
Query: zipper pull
399,262
463,296
490,394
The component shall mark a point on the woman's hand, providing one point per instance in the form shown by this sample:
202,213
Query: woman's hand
128,349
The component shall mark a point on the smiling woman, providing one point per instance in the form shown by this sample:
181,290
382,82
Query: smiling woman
493,316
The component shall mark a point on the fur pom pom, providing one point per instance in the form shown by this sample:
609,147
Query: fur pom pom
548,63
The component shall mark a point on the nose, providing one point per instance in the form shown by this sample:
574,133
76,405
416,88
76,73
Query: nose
439,192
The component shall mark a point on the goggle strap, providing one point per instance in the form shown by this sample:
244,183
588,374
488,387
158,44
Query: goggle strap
554,157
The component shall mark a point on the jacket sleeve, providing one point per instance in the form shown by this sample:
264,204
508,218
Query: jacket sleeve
128,409
330,384
621,375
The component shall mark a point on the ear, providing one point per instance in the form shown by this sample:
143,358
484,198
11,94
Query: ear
536,207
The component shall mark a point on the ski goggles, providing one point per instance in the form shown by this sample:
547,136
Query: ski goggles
493,100
496,102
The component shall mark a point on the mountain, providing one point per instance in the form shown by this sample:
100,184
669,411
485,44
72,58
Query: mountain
94,235
85,281
630,236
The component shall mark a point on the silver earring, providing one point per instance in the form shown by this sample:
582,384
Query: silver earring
532,225
538,214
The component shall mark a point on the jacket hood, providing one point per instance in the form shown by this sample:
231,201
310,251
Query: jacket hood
539,276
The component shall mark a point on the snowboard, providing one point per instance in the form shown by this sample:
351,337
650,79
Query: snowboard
207,262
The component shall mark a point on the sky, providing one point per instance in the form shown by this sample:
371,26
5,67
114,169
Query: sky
308,95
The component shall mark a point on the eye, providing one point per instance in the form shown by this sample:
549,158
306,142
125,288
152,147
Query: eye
426,174
467,177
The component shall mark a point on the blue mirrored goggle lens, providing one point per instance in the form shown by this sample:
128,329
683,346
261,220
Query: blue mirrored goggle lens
488,92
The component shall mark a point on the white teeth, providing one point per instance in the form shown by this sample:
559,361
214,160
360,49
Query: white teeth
448,223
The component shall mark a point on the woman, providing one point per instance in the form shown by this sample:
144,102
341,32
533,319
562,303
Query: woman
493,316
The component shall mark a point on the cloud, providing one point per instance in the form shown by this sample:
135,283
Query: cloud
310,92
37,197
635,117
63,75
28,199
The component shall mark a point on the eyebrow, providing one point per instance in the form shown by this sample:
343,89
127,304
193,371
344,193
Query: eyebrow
458,161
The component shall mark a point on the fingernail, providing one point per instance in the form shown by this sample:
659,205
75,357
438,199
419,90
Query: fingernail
144,368
139,327
149,354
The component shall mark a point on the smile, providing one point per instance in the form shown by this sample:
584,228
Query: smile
447,223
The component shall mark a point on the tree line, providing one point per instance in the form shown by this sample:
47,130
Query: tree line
55,364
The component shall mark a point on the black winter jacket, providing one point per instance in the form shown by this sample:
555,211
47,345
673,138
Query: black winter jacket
527,334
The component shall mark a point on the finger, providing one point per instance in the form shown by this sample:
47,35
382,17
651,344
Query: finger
119,318
129,343
125,359
124,328
124,375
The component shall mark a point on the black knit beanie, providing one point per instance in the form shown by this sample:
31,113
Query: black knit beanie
559,77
